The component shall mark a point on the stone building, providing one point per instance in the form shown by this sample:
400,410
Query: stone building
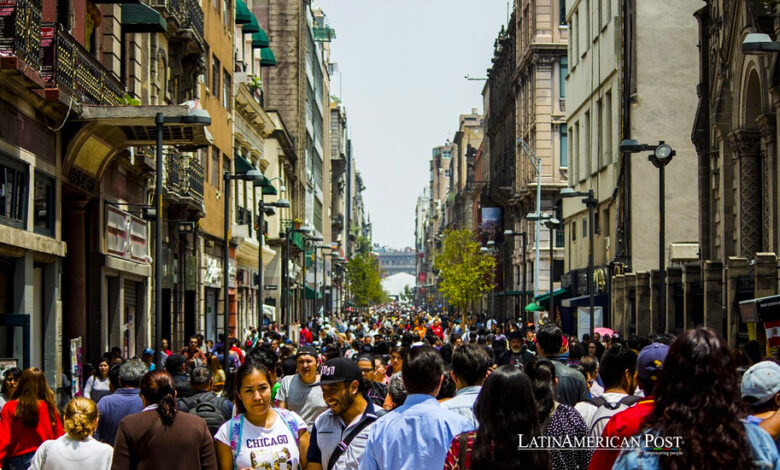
613,93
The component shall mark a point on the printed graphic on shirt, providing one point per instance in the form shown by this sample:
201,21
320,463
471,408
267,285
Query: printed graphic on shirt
271,459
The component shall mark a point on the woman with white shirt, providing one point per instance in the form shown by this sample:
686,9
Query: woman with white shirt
76,448
97,384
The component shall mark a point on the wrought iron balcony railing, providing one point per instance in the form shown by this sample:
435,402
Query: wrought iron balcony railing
66,65
193,177
172,168
20,31
186,13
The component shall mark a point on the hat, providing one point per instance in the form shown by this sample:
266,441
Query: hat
306,351
148,352
760,383
174,361
650,360
338,370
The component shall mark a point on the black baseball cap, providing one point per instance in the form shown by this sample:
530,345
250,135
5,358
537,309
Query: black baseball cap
337,370
306,351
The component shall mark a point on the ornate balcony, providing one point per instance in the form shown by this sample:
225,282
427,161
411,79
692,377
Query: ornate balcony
68,67
187,19
20,39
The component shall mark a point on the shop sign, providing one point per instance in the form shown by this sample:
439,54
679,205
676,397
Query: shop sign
126,235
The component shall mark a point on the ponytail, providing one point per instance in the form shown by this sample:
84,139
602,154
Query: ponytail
166,408
157,388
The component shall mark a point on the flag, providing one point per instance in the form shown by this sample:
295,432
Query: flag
773,332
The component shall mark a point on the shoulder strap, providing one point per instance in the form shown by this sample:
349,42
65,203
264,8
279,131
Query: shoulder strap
463,441
342,446
236,429
289,420
629,400
596,401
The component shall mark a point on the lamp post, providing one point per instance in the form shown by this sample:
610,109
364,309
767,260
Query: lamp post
196,117
661,156
281,203
551,223
590,201
321,247
314,268
537,164
251,175
512,233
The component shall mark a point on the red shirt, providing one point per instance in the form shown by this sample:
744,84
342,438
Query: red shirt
306,336
451,461
627,423
437,331
17,439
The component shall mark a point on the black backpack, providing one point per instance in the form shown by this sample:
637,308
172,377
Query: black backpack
208,407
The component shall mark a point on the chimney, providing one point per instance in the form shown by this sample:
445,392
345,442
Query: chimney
474,110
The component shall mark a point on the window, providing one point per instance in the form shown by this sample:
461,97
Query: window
562,12
575,151
225,164
605,222
564,147
573,230
587,148
13,193
574,30
214,167
446,173
562,76
599,131
226,16
216,67
445,155
44,206
596,226
226,91
608,127
584,227
607,11
587,25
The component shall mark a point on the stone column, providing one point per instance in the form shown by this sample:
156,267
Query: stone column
735,267
655,302
673,285
746,148
629,305
618,303
75,277
643,303
691,282
767,124
712,285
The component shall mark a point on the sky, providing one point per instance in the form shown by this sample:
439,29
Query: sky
401,68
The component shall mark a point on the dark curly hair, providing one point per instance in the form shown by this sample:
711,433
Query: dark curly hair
697,397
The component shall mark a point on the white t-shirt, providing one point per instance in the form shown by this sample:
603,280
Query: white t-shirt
272,448
65,453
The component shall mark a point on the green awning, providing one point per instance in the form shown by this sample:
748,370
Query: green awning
545,297
252,27
262,182
310,293
533,307
267,57
297,240
260,39
269,190
243,15
141,18
241,165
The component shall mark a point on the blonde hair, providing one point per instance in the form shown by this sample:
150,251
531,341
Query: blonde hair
80,416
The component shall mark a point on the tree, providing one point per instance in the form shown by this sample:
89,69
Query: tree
364,278
466,273
407,295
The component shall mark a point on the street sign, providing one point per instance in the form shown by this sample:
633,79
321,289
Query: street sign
270,287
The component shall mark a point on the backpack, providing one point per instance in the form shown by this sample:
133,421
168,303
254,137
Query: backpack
208,408
606,410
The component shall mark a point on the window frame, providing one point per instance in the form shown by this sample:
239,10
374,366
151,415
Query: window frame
51,203
23,169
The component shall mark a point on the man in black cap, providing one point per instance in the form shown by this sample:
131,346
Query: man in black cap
176,365
294,391
338,437
517,355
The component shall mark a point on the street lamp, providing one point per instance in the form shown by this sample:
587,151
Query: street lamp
305,255
537,164
512,233
759,44
251,175
661,156
280,203
320,247
198,117
589,199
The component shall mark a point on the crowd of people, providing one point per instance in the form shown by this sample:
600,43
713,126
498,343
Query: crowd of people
402,388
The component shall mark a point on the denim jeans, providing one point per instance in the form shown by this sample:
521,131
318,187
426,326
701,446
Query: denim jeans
20,462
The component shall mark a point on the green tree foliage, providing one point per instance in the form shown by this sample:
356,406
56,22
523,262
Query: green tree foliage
364,276
466,273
